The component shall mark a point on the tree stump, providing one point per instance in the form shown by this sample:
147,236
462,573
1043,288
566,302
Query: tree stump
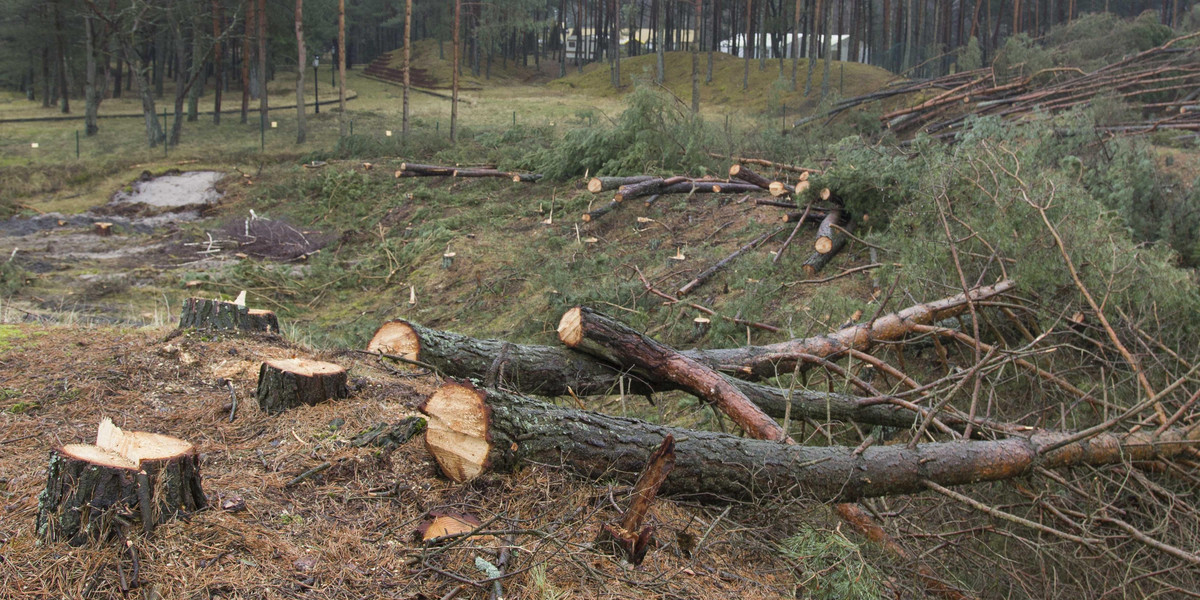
287,383
199,313
128,475
103,229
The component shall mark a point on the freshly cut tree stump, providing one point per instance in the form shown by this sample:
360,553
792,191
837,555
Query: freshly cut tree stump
199,313
133,475
290,382
103,229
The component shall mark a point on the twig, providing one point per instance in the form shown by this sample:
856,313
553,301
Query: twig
852,271
708,273
309,473
233,401
995,512
788,241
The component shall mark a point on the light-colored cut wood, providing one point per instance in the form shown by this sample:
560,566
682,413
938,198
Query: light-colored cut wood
457,432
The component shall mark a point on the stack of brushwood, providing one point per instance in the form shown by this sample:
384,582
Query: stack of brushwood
1162,84
408,169
483,420
834,223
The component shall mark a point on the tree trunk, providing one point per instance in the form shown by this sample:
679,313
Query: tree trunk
696,60
199,313
556,371
586,330
825,251
151,476
301,63
596,185
261,22
827,20
454,76
407,66
197,66
747,45
473,430
61,45
247,35
218,18
91,92
824,242
341,52
140,72
291,382
660,42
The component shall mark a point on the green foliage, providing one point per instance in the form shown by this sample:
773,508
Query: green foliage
970,57
1096,39
652,134
12,277
1021,56
871,183
831,567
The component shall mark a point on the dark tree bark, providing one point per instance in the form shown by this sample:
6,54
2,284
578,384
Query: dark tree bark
557,371
407,66
301,67
218,18
154,477
292,382
261,22
341,66
473,430
199,313
247,35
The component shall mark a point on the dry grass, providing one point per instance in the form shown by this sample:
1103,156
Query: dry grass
346,533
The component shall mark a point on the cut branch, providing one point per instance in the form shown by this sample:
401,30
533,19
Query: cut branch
709,272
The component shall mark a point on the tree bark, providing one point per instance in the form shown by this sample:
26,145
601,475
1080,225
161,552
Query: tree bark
199,313
599,335
288,383
341,52
454,76
825,231
628,539
699,25
556,371
151,476
818,259
60,43
247,35
91,125
407,66
261,21
737,171
596,185
218,18
301,63
473,430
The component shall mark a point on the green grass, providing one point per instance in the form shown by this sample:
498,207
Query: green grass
765,94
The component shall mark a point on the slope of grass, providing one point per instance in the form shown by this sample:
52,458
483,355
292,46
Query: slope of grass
766,91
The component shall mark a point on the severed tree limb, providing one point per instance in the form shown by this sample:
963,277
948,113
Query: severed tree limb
704,309
737,171
473,430
759,362
596,185
825,232
709,272
599,212
628,539
817,260
597,334
557,371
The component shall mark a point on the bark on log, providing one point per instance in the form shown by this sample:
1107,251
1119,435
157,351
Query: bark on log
526,177
766,163
817,260
287,383
737,171
779,188
427,170
638,189
472,430
137,476
628,539
515,177
599,335
825,231
813,214
596,185
215,314
599,212
557,371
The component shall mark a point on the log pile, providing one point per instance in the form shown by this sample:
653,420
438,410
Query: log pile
1159,83
408,169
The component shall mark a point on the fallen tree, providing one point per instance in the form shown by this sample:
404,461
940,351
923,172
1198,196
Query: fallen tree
474,430
557,371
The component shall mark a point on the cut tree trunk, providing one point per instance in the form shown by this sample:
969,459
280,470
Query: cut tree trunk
427,170
557,371
131,475
599,212
473,430
103,229
597,334
737,171
288,383
817,260
824,243
215,314
596,185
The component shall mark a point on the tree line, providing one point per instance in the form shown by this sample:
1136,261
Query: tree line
59,50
